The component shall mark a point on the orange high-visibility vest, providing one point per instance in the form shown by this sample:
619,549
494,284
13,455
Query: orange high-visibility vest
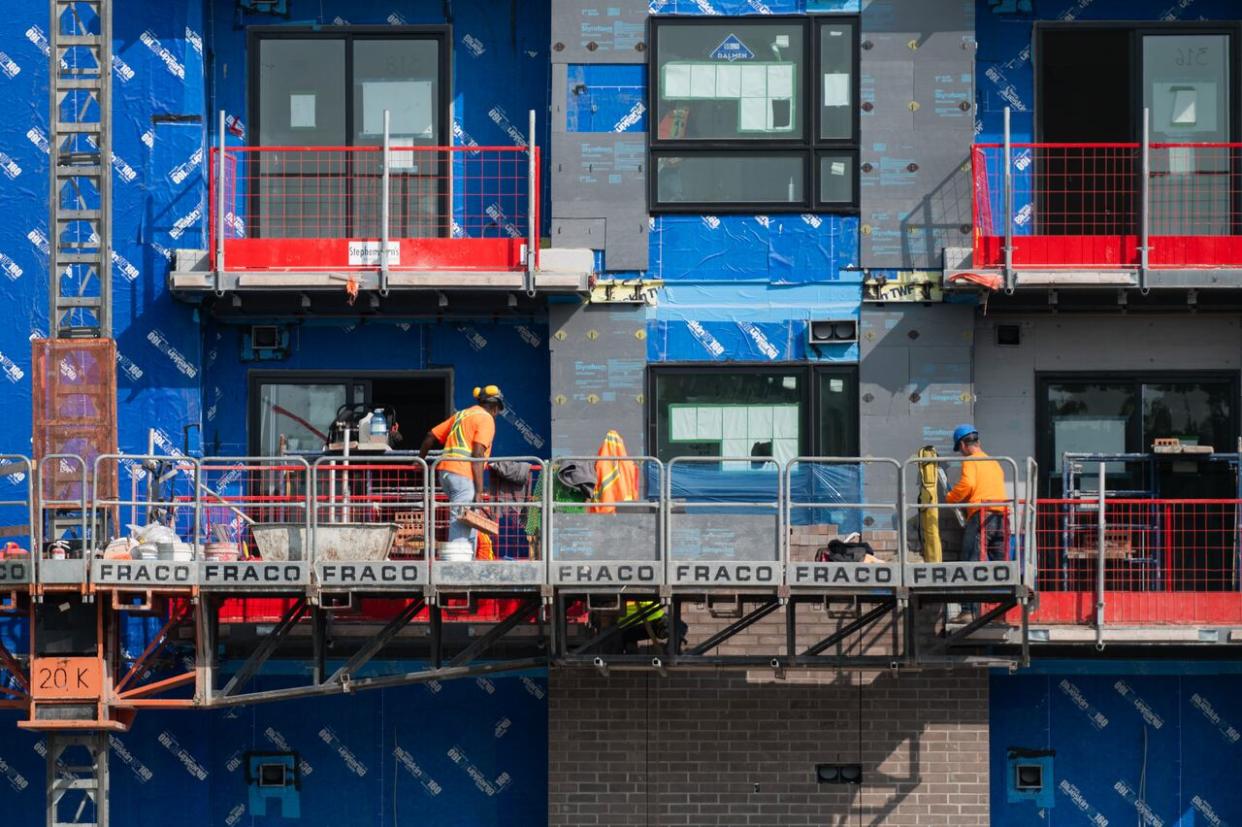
616,480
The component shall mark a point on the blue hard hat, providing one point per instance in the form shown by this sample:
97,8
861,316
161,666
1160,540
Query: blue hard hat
961,432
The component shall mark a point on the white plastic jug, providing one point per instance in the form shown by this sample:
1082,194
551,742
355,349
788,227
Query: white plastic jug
379,425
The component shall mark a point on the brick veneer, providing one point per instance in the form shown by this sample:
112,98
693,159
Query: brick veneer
713,748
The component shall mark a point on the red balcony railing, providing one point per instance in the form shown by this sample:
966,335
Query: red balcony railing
1091,205
310,208
1161,561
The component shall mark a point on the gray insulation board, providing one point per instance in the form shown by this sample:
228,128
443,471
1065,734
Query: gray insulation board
915,382
603,176
917,124
599,31
599,361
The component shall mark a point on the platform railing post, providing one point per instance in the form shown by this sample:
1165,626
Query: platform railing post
1144,200
1008,197
1101,544
384,188
220,198
532,195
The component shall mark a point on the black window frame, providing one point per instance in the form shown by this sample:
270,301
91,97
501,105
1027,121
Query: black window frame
348,35
810,146
809,376
1043,379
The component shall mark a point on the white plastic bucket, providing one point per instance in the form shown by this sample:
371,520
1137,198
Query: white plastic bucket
455,551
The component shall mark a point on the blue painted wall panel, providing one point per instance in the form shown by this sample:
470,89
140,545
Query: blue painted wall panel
158,198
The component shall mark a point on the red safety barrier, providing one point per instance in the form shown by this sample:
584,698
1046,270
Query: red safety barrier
1166,561
320,208
1082,205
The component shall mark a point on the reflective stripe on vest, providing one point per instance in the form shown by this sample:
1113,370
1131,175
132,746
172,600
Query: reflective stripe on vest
629,616
455,446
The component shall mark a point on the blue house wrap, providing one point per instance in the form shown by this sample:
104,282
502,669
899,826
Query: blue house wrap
458,753
1125,746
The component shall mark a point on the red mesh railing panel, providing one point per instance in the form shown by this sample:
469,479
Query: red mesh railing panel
1165,560
1081,205
285,195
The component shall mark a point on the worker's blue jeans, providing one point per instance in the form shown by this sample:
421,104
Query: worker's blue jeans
459,490
991,538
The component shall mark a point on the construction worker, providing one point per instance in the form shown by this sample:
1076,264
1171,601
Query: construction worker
465,435
982,481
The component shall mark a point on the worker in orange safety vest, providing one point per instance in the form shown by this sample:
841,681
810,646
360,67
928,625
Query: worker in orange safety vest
466,435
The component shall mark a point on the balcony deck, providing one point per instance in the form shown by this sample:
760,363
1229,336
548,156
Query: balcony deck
362,219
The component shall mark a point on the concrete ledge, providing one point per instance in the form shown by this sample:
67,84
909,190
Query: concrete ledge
561,270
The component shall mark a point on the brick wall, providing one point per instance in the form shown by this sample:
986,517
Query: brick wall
711,749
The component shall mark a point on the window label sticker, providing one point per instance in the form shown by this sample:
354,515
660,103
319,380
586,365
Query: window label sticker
731,49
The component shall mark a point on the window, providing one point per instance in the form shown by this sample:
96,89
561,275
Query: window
330,88
1126,414
1093,83
293,410
754,114
779,412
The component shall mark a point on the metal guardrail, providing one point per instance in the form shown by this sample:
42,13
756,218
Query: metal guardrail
732,549
67,476
256,508
17,519
608,544
163,504
967,574
379,522
388,208
1106,206
829,504
370,523
519,560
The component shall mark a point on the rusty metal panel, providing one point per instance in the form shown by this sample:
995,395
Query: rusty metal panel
74,394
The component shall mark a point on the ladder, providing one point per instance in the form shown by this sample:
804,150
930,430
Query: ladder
77,779
80,149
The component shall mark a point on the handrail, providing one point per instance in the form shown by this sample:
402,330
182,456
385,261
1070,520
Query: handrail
444,199
642,504
774,504
14,464
790,503
302,502
182,463
1135,206
478,502
1010,503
